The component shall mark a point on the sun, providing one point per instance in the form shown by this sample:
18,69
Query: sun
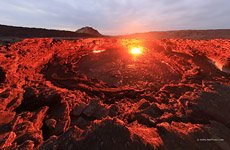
136,50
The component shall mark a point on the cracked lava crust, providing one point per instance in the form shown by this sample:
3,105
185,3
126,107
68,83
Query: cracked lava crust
94,94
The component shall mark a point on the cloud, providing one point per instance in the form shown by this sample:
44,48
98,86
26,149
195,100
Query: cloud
117,16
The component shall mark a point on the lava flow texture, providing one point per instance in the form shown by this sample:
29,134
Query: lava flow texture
129,93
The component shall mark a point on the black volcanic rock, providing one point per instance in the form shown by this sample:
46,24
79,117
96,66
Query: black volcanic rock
63,94
88,30
2,75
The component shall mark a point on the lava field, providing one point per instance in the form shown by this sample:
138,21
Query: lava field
92,93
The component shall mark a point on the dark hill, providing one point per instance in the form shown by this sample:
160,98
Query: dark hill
25,32
88,30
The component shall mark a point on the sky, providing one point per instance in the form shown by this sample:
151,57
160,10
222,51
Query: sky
117,16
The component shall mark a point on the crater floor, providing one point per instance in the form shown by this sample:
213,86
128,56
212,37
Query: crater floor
94,94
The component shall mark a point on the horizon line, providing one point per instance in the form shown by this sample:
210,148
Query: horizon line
115,34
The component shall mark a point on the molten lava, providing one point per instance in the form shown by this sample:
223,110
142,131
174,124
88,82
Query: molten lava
136,50
98,51
134,46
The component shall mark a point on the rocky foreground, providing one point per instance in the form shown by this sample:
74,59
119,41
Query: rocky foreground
93,94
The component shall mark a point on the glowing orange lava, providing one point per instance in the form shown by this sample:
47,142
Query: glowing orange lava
136,50
98,51
134,46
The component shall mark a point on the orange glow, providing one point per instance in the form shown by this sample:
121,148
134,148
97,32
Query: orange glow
98,51
136,50
134,46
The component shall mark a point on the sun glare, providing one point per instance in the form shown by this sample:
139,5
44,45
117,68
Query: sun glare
136,50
